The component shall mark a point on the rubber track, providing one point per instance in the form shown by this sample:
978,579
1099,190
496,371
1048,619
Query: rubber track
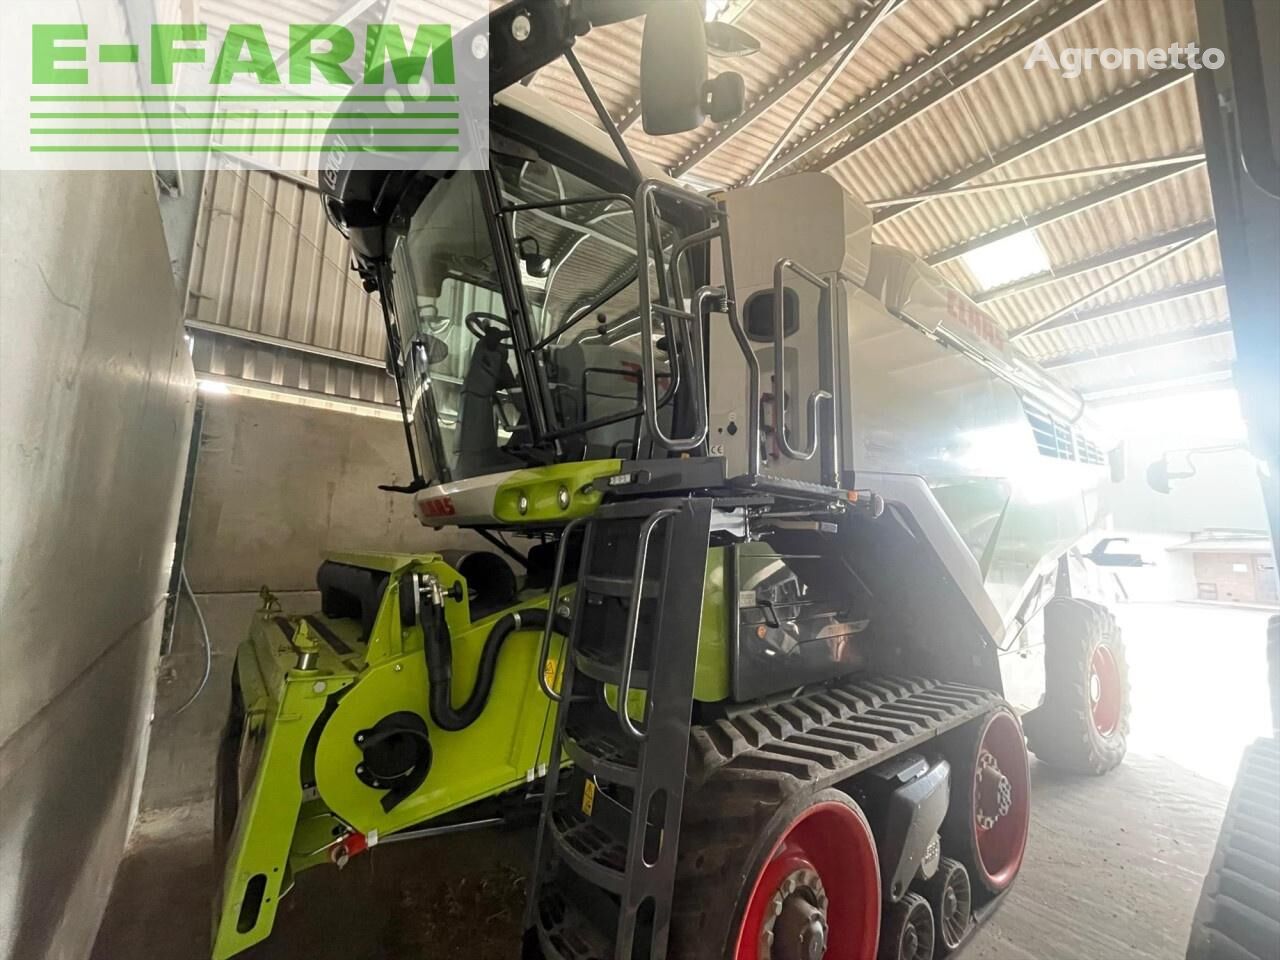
744,767
744,770
1238,917
829,734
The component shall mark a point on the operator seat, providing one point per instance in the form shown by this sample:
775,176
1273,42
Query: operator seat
477,436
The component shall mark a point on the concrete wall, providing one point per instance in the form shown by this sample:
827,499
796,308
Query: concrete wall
279,484
96,394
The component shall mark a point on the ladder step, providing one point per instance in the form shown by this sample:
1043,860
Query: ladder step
616,586
605,672
596,745
565,932
585,844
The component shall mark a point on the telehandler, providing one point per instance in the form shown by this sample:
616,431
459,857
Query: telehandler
784,555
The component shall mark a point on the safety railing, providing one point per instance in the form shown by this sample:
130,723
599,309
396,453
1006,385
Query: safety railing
780,270
686,325
557,576
627,666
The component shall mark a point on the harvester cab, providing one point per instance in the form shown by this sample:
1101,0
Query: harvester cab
801,534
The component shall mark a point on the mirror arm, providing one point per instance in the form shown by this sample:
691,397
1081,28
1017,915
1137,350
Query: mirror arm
418,484
606,121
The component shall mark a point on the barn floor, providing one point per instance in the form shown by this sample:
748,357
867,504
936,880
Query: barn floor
1112,873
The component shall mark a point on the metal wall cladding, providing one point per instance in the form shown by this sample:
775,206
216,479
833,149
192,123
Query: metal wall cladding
268,365
267,262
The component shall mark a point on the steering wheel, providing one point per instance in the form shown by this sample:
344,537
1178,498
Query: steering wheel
483,331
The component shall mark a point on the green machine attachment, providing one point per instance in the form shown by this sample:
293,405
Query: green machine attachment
338,736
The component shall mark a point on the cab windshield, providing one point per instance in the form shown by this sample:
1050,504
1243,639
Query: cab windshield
567,252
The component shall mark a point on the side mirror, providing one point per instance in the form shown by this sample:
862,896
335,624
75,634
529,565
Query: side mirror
1158,475
1116,463
535,264
674,93
429,350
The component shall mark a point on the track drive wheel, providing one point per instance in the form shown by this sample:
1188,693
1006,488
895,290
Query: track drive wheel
990,814
951,897
1083,723
802,884
908,930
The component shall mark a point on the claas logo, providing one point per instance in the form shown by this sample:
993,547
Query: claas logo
436,507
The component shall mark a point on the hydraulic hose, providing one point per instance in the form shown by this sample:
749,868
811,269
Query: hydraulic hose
439,652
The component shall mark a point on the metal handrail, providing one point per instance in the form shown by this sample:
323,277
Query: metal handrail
780,367
557,574
645,194
698,360
633,622
749,358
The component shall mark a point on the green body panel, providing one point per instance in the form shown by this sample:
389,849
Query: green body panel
542,489
711,679
285,826
282,705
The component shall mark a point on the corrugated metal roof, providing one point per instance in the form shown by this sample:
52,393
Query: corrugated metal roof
1002,108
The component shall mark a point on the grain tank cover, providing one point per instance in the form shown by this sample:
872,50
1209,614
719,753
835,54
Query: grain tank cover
911,289
809,218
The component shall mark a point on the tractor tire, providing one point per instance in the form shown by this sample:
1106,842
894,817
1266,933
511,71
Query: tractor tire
1083,724
757,865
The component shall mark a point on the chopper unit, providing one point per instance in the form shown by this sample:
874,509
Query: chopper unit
801,555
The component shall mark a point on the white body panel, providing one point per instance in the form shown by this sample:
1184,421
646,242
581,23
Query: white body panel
927,386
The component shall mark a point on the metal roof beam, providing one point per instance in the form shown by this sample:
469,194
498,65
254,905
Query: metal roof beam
922,69
1124,166
849,38
1157,299
821,89
1211,374
629,118
1094,113
1112,191
1108,259
1070,311
283,343
1139,346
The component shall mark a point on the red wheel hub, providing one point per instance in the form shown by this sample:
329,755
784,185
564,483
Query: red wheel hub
1105,691
818,893
1001,800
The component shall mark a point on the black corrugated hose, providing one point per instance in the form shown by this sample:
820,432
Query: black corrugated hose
439,652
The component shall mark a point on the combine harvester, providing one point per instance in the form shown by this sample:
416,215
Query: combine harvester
801,559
